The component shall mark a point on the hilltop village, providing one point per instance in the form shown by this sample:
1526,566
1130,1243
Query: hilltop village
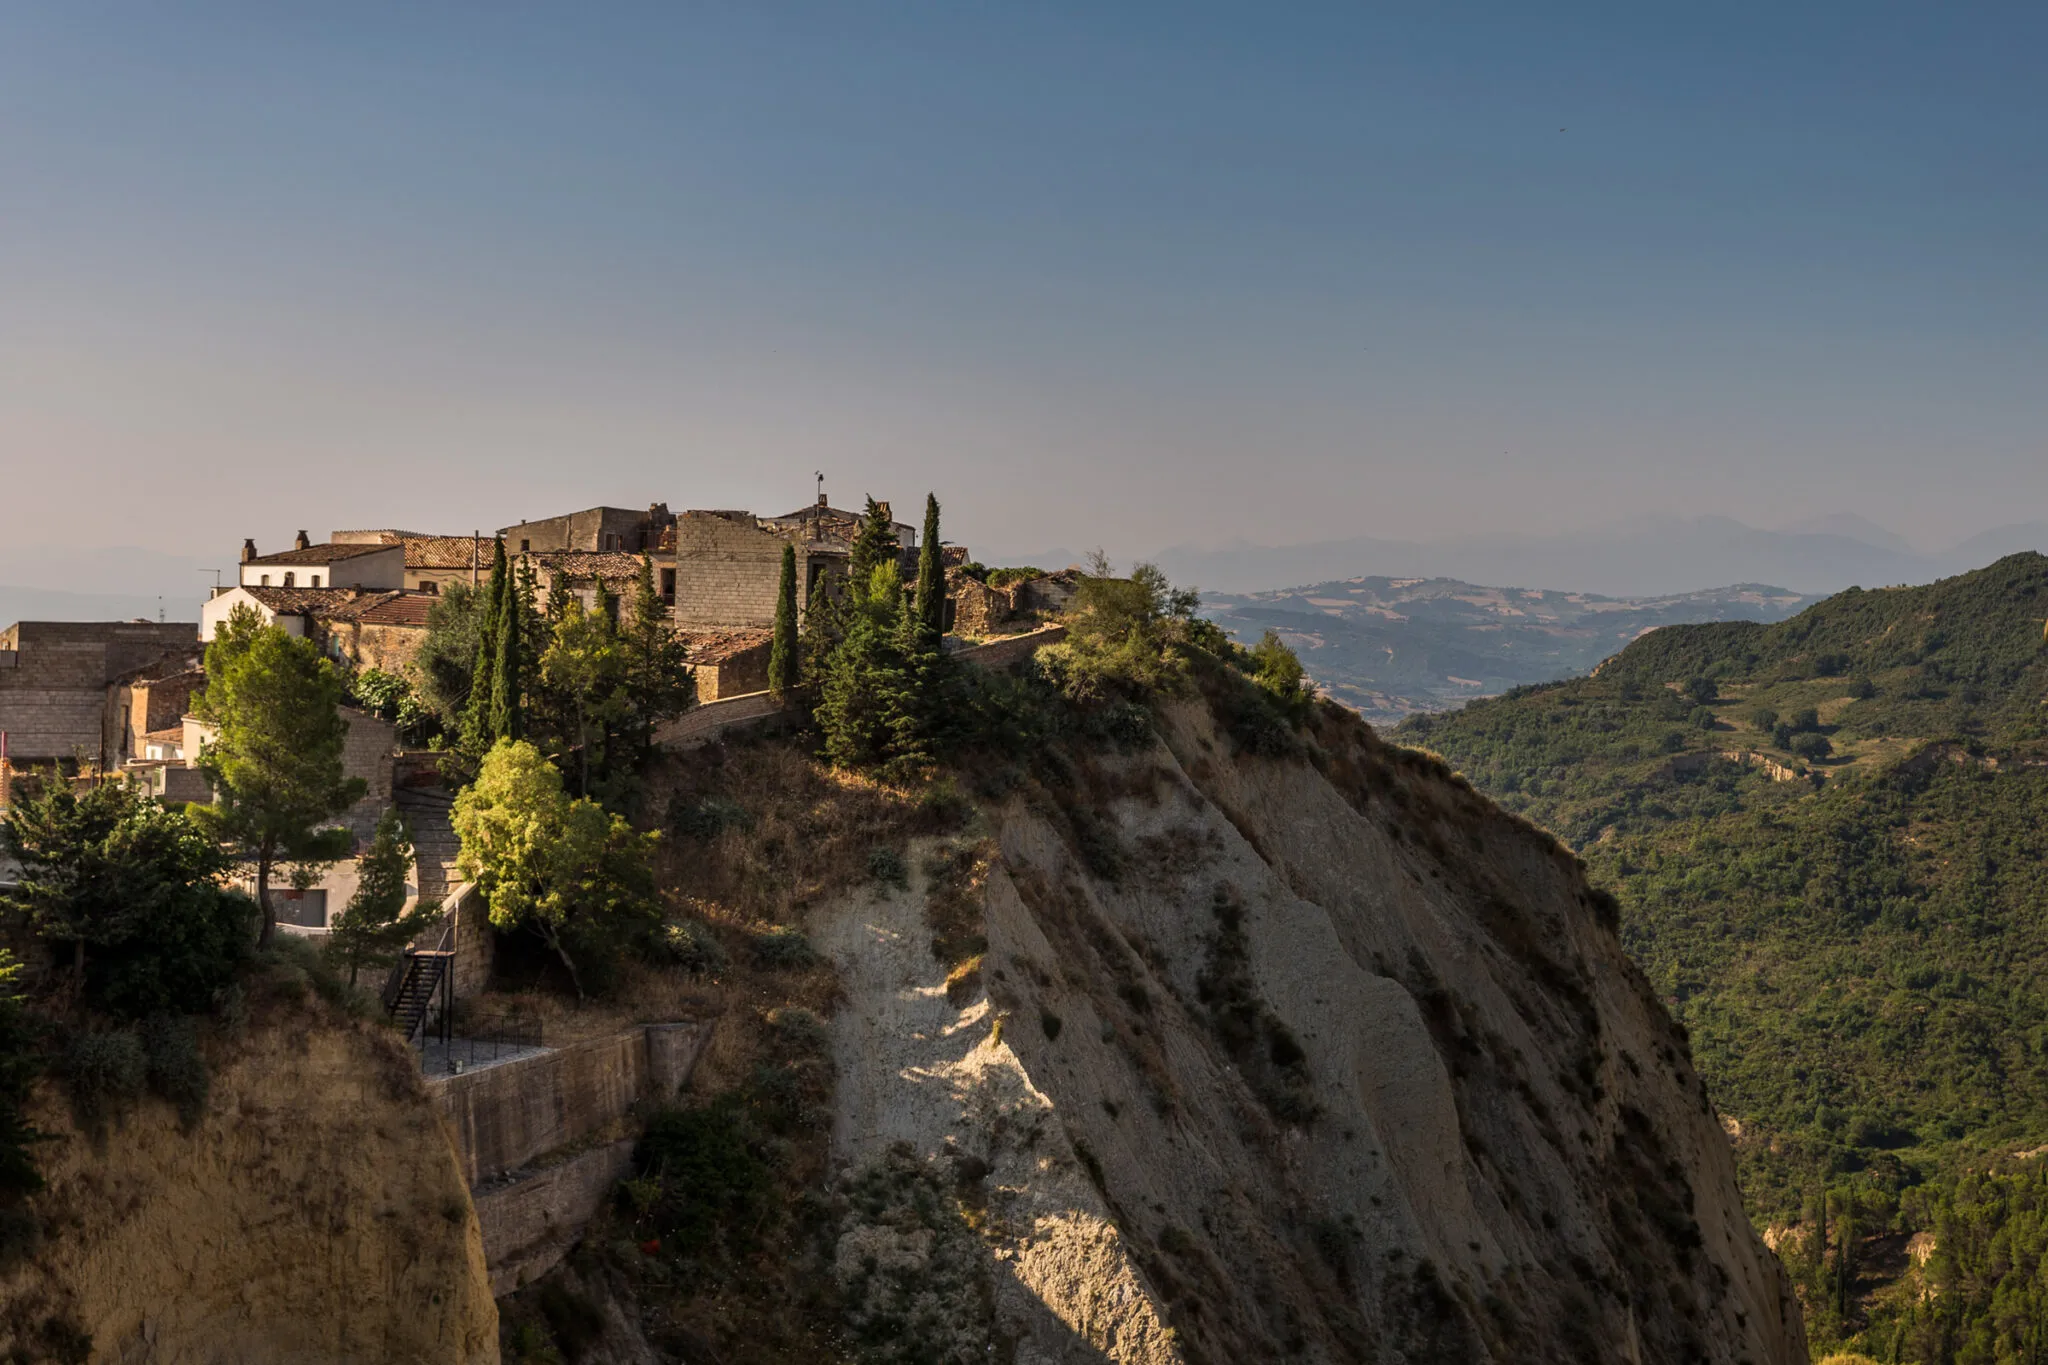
115,699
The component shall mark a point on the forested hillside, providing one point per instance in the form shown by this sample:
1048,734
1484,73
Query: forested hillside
1827,839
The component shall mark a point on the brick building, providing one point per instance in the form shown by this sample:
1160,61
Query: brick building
54,677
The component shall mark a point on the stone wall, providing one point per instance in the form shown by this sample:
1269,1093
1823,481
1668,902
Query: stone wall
737,674
1011,650
54,677
703,724
728,571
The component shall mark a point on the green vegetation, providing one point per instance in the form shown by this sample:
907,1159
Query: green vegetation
373,927
276,764
130,893
782,655
562,867
1841,889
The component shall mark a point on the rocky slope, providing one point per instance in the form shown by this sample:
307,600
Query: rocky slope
315,1214
1316,1057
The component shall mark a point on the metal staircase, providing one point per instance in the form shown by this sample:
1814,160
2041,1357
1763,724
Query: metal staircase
428,973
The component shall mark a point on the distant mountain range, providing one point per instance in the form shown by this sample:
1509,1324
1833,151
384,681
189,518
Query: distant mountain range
1397,646
1650,557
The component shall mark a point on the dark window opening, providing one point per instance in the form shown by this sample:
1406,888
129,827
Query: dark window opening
668,586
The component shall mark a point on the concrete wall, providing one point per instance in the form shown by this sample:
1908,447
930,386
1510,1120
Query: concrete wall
504,1117
54,677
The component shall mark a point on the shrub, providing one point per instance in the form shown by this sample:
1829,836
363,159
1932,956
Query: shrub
1702,718
1702,689
706,817
784,947
691,945
1811,745
177,1069
911,1272
713,1184
800,1028
886,866
106,1073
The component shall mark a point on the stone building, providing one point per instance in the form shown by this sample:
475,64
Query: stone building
579,571
366,629
144,708
433,562
728,663
729,563
974,608
54,677
330,565
596,530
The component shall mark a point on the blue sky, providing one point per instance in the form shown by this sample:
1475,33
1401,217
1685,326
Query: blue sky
1123,274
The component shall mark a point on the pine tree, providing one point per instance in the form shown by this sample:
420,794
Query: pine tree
875,543
782,655
658,670
371,930
864,689
931,574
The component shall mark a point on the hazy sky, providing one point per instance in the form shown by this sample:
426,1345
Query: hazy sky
1098,272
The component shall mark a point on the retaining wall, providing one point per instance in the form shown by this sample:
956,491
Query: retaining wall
530,1225
503,1117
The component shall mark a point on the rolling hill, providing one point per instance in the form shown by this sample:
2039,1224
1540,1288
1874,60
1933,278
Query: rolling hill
1395,646
1829,841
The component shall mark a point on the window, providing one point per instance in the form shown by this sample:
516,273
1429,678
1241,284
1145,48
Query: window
611,541
668,586
314,580
431,585
288,580
263,582
525,545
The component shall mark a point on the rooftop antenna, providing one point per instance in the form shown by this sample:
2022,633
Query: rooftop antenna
216,589
159,608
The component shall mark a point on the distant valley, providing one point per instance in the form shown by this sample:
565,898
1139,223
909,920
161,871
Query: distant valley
1393,647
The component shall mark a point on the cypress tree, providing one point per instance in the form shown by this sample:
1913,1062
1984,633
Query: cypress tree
931,575
477,718
507,722
782,655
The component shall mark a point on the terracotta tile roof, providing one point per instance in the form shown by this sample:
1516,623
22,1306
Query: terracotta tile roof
717,646
292,601
320,554
379,536
446,552
612,566
399,609
172,735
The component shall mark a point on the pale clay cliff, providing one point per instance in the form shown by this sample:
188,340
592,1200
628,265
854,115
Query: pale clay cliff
1338,1066
1320,1060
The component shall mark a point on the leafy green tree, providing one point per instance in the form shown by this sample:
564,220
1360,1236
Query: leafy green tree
931,574
373,927
1124,637
1278,669
276,763
783,659
134,889
1702,689
585,673
565,868
874,544
443,671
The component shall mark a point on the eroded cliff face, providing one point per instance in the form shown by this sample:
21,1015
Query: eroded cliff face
315,1215
1316,1057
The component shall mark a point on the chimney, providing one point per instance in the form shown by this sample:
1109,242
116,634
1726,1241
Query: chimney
821,502
248,550
303,542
